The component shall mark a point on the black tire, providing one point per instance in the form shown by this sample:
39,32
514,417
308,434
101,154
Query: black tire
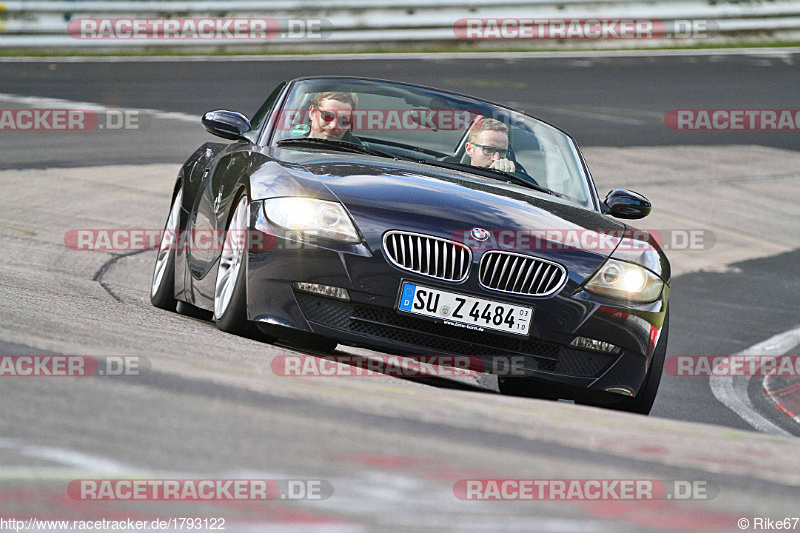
233,319
643,402
187,309
162,289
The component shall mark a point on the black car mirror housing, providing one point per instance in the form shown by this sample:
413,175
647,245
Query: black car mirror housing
622,203
226,124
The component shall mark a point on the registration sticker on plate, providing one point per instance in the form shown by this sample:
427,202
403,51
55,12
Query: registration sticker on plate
464,311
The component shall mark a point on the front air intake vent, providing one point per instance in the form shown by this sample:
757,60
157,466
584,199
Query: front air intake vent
429,256
521,274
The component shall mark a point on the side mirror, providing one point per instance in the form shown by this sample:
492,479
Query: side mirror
622,203
226,124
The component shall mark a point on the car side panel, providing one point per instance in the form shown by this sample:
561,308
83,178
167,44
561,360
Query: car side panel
228,174
190,178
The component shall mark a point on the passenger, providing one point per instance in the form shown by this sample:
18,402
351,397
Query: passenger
331,115
487,145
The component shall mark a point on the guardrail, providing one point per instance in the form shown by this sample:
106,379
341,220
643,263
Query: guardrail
305,24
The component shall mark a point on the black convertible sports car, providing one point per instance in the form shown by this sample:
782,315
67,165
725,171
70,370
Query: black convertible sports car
417,221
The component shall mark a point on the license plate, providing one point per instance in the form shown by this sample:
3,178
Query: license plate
464,311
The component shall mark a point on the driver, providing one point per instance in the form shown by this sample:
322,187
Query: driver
487,145
331,114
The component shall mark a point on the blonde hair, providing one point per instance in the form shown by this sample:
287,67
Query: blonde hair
486,124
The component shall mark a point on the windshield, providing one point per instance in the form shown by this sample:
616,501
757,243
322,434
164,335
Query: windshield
434,127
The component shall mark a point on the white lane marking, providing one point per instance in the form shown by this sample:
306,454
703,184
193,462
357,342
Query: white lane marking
468,520
83,464
45,102
781,53
82,461
732,391
609,114
596,116
369,494
374,494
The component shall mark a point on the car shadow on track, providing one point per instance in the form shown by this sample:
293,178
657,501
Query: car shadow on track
397,366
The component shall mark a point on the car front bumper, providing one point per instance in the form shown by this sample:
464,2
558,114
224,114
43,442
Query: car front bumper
370,319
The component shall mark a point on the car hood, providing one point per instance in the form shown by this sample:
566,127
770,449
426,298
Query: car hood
382,194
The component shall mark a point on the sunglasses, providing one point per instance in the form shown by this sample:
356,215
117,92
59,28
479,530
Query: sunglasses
330,116
491,150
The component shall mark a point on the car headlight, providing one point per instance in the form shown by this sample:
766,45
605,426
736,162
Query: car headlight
626,281
312,218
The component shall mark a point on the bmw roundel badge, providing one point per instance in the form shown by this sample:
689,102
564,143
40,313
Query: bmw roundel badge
479,234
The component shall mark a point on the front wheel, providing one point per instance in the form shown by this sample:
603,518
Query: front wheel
230,293
162,287
643,402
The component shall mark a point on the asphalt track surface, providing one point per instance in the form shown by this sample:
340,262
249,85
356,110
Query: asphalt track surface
392,449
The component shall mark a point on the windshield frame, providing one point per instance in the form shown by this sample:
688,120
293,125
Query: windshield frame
266,137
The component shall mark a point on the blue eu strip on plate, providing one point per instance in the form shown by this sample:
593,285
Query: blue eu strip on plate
408,296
